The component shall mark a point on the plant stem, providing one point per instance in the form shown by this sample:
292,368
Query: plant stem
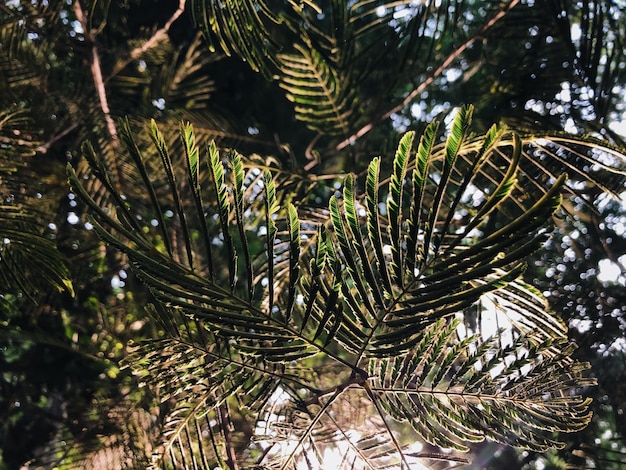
231,457
96,73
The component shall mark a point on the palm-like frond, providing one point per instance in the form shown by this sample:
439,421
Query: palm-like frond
318,89
317,75
381,292
442,390
29,260
174,78
328,63
450,259
243,27
328,56
588,160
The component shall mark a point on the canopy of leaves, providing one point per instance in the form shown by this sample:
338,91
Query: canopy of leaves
381,295
336,287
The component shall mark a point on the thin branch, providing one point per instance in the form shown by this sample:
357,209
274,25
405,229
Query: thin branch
436,73
100,82
379,409
310,428
358,377
308,153
43,148
96,73
153,41
231,456
597,225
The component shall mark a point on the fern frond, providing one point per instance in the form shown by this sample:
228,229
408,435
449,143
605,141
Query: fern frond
320,94
450,409
384,292
242,27
395,205
30,263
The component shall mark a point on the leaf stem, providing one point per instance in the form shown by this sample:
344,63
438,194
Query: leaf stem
374,398
358,377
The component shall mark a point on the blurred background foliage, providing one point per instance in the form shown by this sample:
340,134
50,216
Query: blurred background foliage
68,315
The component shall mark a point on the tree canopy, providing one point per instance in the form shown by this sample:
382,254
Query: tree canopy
301,234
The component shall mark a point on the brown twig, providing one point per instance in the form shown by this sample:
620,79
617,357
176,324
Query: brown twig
231,456
154,39
43,148
608,250
436,73
358,377
96,72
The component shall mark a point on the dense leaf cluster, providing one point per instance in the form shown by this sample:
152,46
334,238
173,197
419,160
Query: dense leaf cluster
274,251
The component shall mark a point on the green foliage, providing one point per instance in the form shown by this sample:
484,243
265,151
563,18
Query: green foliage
391,326
24,244
298,302
23,241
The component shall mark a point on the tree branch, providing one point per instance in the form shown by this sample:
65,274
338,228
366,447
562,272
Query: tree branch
43,148
99,81
154,40
96,73
436,73
228,437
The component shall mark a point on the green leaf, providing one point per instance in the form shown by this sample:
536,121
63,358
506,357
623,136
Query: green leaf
126,134
387,322
319,92
419,180
161,146
240,27
357,243
271,207
456,138
223,203
451,410
373,223
193,171
293,227
238,191
395,204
